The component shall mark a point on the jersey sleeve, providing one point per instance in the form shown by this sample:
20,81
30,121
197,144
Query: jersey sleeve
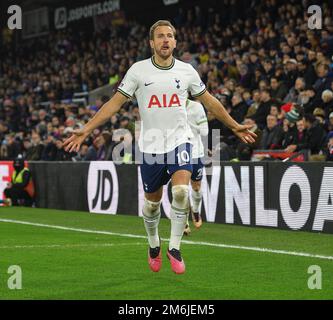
201,120
129,84
196,86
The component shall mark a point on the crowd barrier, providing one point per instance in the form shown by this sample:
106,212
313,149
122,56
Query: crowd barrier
290,196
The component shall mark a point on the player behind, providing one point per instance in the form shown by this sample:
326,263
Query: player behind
161,85
198,123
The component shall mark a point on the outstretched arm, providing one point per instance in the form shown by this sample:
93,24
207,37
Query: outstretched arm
216,108
111,107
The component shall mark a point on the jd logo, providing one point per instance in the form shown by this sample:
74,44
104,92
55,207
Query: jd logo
104,177
103,189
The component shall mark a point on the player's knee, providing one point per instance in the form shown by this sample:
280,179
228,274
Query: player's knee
151,208
180,194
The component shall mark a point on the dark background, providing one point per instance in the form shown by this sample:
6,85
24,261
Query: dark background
144,11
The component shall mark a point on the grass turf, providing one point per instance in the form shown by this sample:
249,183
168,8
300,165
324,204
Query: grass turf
64,264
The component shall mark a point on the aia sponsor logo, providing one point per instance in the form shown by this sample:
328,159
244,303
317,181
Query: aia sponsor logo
164,101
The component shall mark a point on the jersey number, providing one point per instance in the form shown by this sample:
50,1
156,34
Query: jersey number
183,157
200,172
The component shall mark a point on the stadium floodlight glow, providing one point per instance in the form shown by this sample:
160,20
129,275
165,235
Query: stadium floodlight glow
168,2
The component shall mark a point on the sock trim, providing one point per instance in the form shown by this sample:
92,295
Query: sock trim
151,218
181,211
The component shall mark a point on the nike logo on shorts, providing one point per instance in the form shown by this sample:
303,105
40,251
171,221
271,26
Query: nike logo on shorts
148,84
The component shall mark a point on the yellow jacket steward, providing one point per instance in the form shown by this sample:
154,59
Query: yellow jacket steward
17,178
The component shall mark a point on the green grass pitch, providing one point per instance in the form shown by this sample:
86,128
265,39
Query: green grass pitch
68,264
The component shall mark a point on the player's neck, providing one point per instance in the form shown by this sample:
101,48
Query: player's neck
163,62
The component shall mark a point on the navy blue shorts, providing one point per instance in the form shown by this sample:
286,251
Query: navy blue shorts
157,169
197,169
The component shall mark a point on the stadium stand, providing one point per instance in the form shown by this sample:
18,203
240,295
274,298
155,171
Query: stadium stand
268,68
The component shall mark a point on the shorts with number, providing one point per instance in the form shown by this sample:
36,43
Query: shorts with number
197,169
157,169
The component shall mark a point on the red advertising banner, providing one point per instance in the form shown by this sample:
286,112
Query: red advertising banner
6,170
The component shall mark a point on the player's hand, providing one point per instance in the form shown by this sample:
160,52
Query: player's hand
291,148
244,134
73,143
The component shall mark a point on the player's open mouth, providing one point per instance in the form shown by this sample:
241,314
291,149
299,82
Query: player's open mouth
165,47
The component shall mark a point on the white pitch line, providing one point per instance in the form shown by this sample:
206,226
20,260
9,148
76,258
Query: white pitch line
217,245
50,246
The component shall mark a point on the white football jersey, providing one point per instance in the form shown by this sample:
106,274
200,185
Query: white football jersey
161,93
198,122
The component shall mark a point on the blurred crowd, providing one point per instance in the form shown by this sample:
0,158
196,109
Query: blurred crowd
263,62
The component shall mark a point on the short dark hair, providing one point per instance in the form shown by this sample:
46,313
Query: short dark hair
324,65
267,91
251,118
310,117
276,105
300,109
161,23
244,152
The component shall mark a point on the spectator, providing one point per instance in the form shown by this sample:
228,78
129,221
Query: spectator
289,133
13,147
275,110
239,108
61,154
327,98
294,93
329,151
307,71
264,108
255,103
326,42
95,151
315,135
295,114
50,150
307,99
250,121
104,144
299,138
4,150
323,82
27,150
330,122
125,123
290,72
34,153
278,89
272,135
82,153
320,116
244,153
